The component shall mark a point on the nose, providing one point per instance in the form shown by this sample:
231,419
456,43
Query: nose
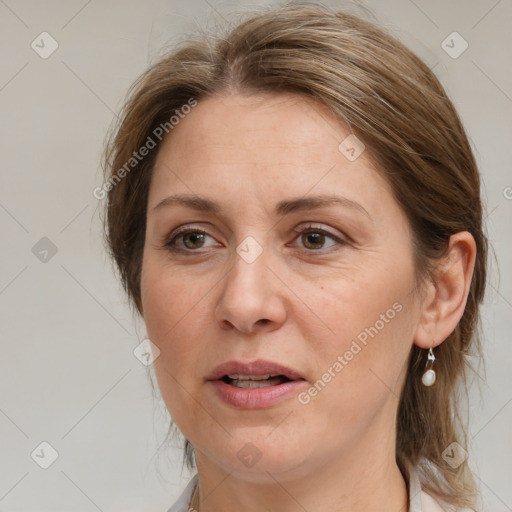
251,299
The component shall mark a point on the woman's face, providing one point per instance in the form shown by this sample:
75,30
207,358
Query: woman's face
252,262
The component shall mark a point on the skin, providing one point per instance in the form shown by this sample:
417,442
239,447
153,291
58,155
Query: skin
300,303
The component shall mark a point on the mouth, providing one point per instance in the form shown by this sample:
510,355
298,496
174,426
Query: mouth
254,381
258,373
255,384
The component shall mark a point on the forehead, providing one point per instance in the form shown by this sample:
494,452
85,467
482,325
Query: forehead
264,144
271,128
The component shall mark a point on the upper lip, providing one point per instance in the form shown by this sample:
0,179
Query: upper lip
257,367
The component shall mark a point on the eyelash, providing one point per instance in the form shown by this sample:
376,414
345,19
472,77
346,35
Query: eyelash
169,243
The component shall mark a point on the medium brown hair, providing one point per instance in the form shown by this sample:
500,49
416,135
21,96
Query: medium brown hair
394,103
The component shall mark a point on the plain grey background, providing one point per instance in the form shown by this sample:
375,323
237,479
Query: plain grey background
68,374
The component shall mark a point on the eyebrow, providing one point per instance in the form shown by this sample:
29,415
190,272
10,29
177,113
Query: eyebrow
282,208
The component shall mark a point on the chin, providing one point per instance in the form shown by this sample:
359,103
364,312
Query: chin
255,459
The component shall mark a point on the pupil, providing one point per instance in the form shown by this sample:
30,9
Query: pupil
194,238
314,240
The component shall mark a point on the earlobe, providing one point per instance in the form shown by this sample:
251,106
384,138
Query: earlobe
446,294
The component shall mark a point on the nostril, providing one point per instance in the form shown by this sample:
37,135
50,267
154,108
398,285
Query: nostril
264,321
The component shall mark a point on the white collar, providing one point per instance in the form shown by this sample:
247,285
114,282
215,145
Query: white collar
414,490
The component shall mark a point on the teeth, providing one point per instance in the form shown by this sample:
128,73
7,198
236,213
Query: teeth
236,376
249,384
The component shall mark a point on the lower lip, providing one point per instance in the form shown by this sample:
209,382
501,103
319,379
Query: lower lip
256,398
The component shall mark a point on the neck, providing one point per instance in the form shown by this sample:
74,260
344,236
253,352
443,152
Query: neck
350,483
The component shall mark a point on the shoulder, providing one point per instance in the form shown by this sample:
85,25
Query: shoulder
421,501
430,504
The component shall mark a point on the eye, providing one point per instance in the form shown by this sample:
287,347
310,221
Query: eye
192,240
187,240
315,238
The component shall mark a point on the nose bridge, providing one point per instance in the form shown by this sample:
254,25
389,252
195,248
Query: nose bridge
250,265
249,295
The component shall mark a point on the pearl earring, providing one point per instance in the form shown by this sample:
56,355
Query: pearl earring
429,375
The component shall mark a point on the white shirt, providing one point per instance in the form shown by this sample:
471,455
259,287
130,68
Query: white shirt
419,501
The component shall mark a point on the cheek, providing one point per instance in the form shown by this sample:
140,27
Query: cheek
172,312
171,301
348,306
172,319
369,321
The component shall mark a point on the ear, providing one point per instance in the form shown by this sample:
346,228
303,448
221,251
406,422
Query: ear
446,293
